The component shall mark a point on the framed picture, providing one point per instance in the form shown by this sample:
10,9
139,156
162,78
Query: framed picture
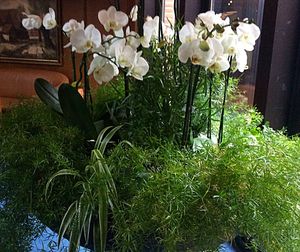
36,46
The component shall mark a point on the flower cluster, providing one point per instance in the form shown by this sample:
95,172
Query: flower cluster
213,42
116,50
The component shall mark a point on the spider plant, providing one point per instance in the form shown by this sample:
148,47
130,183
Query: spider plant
90,210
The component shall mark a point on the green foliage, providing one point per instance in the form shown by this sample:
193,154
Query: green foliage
35,143
98,194
75,110
157,103
194,201
108,99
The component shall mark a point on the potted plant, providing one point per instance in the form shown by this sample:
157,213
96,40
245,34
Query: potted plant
196,168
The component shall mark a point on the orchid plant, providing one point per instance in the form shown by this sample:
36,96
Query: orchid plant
214,43
218,45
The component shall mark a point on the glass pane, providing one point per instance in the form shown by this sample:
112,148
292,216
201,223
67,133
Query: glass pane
252,9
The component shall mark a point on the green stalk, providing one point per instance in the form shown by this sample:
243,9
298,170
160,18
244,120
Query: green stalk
117,4
188,109
160,30
126,90
80,73
140,21
209,106
221,127
87,89
195,86
73,57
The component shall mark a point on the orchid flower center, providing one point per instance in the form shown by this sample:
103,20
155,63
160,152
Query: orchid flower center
113,25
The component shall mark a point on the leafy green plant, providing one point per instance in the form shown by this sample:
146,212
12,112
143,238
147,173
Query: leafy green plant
32,149
194,201
90,210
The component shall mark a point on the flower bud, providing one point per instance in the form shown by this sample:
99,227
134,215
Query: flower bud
204,46
219,28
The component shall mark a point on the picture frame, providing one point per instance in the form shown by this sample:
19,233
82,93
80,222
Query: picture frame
36,46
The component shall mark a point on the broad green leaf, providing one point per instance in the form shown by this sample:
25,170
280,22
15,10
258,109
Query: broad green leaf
75,110
48,94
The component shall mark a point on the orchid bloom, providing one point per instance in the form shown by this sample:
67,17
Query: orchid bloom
241,60
112,19
220,64
49,21
187,33
84,40
150,31
111,45
140,67
132,38
71,26
125,56
134,13
31,21
210,18
103,70
248,34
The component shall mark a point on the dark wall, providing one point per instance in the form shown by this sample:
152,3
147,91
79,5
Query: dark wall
277,64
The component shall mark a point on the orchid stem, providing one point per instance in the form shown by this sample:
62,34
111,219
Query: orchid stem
73,58
221,127
126,89
209,107
87,89
188,109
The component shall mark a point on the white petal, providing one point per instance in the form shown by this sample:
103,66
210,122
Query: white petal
184,52
52,13
187,33
78,40
121,18
97,62
134,13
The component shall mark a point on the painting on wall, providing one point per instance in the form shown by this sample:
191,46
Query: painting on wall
35,46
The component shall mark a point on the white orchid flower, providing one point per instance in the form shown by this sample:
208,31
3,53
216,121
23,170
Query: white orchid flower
220,65
210,18
230,44
241,60
112,19
125,56
31,21
187,33
248,34
85,40
132,38
134,13
112,44
200,52
168,32
151,28
184,52
71,26
103,70
140,67
49,21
